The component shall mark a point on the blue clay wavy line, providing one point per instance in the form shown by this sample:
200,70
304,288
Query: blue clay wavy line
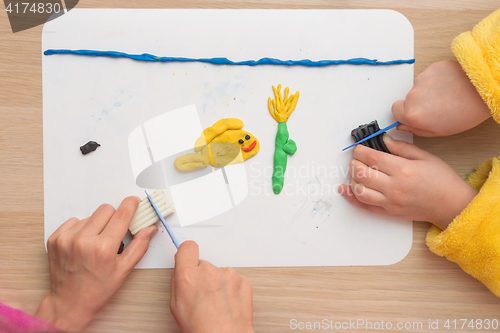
225,61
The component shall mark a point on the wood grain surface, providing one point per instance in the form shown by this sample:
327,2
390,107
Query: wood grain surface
420,288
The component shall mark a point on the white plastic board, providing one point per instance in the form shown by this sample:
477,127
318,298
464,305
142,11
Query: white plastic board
128,106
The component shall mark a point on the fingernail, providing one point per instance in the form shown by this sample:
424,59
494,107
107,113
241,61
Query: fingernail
387,138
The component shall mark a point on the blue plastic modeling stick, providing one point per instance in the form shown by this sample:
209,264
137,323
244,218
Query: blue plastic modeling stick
374,134
170,233
226,61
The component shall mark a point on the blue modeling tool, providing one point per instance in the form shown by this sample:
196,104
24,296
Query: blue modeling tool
374,134
170,233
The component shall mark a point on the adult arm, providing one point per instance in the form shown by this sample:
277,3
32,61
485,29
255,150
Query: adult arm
85,269
204,298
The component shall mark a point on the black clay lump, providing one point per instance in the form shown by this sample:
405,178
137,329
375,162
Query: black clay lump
89,147
122,246
365,130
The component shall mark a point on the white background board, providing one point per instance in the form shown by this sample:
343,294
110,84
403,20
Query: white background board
105,99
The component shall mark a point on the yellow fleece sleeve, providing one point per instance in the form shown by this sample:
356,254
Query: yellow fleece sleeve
478,52
472,240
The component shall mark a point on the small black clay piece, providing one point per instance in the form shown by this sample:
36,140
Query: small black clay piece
365,130
120,250
89,147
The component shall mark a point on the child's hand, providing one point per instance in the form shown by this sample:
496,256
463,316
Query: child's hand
414,184
85,269
204,298
442,102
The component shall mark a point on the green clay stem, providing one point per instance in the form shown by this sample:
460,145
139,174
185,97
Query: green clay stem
280,156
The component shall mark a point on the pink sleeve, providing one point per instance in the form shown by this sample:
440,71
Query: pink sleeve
17,321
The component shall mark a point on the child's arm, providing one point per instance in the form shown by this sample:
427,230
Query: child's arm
472,240
442,102
419,186
411,184
450,97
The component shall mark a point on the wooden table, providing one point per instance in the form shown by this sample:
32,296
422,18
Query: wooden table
420,288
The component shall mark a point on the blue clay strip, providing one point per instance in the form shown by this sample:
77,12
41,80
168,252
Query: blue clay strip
225,61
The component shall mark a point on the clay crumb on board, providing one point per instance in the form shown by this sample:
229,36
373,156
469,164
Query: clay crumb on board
89,147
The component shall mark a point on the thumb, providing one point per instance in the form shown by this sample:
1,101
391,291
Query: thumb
404,149
138,247
187,256
416,131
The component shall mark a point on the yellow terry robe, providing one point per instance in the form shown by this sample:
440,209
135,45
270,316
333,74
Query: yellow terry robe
478,51
472,240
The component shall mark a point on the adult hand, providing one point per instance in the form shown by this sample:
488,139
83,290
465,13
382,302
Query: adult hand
204,298
442,102
411,184
85,269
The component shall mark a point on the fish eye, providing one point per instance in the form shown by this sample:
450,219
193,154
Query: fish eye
247,137
241,141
